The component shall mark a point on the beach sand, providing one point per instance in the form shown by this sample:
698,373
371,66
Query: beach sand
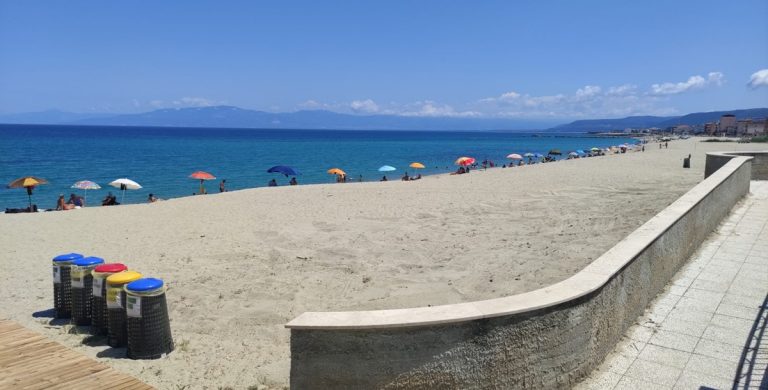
239,265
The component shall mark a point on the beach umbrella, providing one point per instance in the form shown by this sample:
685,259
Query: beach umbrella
28,182
573,154
285,170
387,168
417,165
555,152
595,149
539,155
514,156
528,154
85,185
202,176
336,171
464,161
580,151
125,184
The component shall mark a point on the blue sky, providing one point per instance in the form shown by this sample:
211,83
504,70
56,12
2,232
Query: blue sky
535,59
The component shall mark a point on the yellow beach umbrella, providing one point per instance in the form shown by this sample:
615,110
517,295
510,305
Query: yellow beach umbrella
28,182
337,171
417,165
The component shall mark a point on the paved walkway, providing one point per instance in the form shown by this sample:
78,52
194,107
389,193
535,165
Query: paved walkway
29,360
708,329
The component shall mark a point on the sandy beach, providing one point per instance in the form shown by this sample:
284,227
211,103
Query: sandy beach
239,265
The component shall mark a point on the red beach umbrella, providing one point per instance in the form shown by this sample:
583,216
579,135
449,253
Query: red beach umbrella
202,176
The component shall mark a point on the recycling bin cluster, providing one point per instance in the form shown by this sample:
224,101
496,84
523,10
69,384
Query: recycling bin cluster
114,301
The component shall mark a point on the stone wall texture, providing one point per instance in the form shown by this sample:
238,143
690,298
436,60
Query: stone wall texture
552,347
759,162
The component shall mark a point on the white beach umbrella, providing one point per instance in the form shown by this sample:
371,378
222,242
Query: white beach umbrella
125,184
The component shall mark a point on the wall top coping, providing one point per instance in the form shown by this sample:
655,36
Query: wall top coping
593,277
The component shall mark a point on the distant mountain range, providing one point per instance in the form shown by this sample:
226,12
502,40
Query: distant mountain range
661,122
234,117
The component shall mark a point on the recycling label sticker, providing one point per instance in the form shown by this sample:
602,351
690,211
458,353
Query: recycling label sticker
133,306
97,283
56,274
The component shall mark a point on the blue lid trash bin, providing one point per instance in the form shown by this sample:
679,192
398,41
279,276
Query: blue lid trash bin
82,288
62,289
148,324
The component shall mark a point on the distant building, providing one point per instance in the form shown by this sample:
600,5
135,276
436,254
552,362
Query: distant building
727,124
710,128
682,129
756,127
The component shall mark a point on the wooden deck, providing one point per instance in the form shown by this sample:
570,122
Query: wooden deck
29,360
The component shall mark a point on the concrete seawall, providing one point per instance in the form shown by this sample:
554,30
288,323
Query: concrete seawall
547,338
759,162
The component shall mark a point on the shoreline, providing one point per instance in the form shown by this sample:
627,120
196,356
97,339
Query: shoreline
241,265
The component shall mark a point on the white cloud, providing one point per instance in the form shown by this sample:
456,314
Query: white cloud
432,109
693,82
587,101
367,106
185,102
588,91
622,90
759,79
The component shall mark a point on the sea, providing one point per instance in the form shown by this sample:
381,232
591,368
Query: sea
161,159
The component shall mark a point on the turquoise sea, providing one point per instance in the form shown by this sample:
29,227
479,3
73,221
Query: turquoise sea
161,159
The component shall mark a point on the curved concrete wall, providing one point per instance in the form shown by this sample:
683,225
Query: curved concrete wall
548,338
759,162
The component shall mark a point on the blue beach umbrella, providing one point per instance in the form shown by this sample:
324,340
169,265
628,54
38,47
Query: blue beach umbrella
580,151
529,154
387,168
539,155
285,170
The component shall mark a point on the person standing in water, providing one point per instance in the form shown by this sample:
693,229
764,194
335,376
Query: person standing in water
223,186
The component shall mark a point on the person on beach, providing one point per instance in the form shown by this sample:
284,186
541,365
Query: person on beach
405,177
110,200
417,177
223,186
152,198
75,200
293,181
272,183
384,178
666,145
62,205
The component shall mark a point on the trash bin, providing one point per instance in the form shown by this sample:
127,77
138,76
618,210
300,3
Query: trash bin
116,335
62,289
686,162
99,296
82,288
149,329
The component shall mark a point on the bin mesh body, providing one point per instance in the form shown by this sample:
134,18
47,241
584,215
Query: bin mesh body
116,334
62,293
99,312
149,337
81,302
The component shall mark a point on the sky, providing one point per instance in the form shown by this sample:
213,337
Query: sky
510,59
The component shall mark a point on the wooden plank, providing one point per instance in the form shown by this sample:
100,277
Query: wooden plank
28,360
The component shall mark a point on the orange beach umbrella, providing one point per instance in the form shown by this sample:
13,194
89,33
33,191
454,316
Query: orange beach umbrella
417,165
28,182
336,171
202,176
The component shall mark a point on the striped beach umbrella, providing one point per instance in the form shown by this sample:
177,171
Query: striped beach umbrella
85,185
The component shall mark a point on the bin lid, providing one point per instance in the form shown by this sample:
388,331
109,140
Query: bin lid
68,257
146,284
88,261
123,277
111,268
